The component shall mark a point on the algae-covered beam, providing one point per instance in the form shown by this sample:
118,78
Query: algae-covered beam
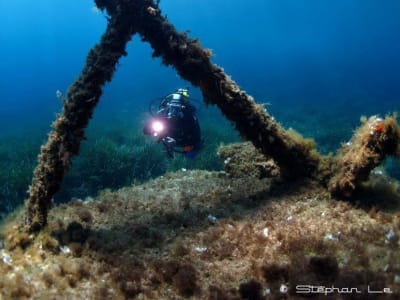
294,154
369,146
82,97
192,63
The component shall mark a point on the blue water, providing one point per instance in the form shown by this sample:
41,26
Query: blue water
300,51
320,64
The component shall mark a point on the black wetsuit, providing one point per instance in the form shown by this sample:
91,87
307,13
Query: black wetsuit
184,126
180,120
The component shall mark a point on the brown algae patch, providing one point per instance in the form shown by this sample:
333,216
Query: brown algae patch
202,235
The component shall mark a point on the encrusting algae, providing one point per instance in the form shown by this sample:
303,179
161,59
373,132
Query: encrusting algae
371,143
203,235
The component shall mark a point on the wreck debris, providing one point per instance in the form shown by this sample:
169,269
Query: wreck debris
370,145
82,97
295,155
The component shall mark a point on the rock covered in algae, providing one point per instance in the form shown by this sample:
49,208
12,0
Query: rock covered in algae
155,241
244,160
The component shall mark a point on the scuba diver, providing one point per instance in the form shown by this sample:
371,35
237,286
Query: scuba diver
175,124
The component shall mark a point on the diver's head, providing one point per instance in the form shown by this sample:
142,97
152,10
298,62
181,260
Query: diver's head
183,92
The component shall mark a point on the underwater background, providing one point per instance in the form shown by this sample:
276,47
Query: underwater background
319,65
